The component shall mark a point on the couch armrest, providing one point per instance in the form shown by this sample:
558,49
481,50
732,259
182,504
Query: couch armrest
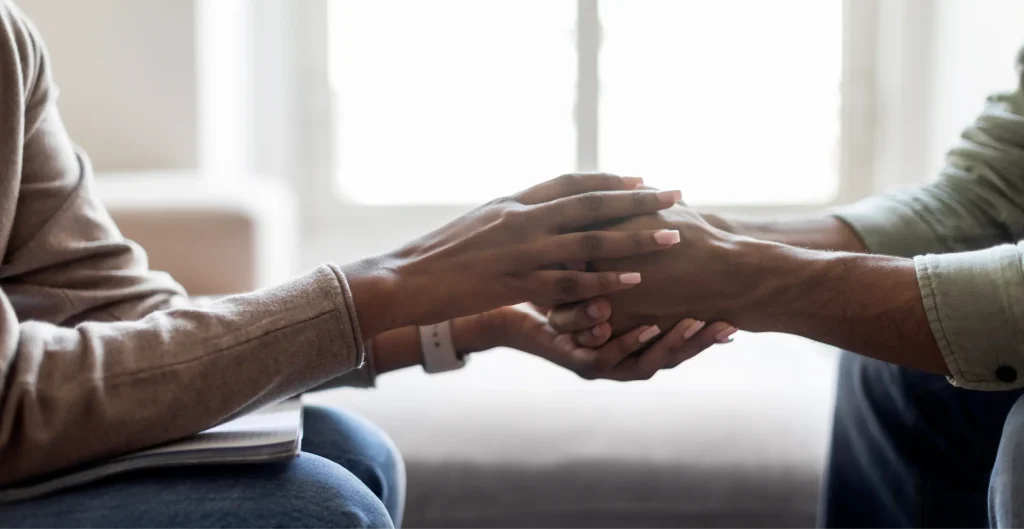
212,239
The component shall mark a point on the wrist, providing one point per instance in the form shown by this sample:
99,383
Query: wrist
375,295
479,332
767,277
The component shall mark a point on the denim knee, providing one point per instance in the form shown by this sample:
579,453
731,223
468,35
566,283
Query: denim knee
362,448
316,492
1006,493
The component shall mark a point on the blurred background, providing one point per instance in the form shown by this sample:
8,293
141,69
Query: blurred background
244,141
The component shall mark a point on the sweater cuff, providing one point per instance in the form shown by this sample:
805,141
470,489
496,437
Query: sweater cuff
975,311
888,226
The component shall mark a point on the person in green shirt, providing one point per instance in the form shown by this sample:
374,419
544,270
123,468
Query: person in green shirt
918,286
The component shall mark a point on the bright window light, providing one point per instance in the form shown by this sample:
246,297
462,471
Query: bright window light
733,101
461,101
451,101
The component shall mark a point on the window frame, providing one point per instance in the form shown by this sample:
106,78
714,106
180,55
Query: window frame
886,63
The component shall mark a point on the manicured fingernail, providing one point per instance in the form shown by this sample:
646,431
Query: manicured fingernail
651,332
724,336
667,237
632,278
632,182
670,196
596,331
692,328
594,311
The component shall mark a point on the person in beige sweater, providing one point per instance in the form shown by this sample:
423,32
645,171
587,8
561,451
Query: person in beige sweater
99,356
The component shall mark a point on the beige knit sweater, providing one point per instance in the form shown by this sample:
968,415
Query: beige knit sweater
100,356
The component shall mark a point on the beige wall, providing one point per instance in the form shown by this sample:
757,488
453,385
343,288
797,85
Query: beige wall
127,71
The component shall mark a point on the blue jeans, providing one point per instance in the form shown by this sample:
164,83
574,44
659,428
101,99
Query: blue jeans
349,475
910,450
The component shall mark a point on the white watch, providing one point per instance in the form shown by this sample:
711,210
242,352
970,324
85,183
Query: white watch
438,348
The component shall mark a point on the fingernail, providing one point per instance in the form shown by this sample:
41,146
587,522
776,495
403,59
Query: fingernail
596,331
648,334
594,311
723,337
692,328
667,237
632,278
632,182
670,196
584,355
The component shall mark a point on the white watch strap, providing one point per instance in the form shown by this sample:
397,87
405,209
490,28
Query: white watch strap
438,348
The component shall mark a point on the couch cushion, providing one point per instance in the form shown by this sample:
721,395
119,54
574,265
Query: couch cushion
735,437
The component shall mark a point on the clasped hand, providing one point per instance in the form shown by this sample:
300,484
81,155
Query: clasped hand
685,286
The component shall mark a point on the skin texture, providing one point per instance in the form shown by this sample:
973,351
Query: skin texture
652,302
867,304
505,252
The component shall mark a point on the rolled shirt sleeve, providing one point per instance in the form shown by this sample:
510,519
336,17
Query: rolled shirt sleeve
963,231
976,202
975,306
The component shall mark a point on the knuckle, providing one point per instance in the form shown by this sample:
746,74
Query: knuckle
639,240
591,243
513,216
641,199
568,284
569,180
591,202
500,200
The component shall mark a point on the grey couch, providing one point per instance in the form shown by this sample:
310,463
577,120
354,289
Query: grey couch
734,438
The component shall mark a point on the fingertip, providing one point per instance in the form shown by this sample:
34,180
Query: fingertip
670,197
600,309
648,334
667,237
584,356
630,278
725,335
632,182
691,327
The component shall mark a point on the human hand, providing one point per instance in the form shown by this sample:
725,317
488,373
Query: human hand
587,323
522,327
508,251
691,280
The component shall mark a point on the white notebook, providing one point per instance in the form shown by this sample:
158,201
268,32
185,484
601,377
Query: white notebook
272,433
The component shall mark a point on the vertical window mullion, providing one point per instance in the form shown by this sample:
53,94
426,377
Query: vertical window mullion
588,45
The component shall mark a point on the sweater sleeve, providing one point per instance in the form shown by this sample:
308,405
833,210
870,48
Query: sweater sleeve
74,394
99,355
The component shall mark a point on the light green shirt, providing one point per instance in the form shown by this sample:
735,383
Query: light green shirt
965,232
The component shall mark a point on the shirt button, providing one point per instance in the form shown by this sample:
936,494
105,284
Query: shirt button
1006,374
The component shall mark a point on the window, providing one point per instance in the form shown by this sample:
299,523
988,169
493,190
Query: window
459,101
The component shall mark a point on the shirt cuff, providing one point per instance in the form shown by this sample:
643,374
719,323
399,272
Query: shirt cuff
365,373
888,226
975,306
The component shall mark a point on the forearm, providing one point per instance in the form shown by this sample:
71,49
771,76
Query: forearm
400,348
820,232
867,304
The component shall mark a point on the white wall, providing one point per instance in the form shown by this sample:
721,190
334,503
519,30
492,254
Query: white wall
976,42
128,77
